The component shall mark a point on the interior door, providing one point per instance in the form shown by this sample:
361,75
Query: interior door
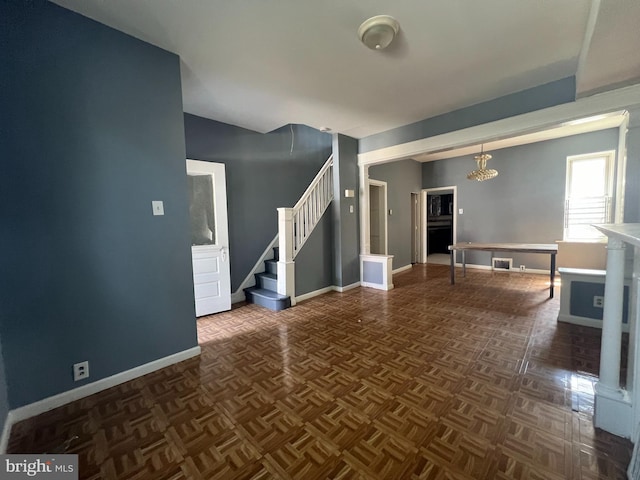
209,237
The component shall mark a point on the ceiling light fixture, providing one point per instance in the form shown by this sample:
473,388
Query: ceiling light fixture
378,32
482,173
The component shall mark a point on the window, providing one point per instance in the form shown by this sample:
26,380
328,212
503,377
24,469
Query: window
589,195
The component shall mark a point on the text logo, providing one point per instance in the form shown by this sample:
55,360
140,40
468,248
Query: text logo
50,467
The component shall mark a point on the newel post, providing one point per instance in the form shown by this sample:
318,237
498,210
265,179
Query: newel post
286,265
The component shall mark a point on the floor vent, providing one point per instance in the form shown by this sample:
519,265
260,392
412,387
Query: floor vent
501,264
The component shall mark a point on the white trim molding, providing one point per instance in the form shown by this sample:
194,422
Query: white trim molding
606,102
347,287
55,401
315,293
322,291
402,269
424,216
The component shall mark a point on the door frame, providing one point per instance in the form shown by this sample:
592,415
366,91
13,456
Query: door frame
416,227
385,224
424,217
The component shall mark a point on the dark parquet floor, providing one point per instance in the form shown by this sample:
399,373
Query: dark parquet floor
427,381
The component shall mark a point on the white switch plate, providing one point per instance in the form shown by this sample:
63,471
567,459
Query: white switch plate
461,211
350,208
158,207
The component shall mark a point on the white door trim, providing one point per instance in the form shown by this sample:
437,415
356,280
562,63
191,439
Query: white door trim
606,102
385,223
611,101
424,220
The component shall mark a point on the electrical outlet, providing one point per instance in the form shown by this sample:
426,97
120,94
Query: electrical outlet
598,301
158,207
80,371
523,268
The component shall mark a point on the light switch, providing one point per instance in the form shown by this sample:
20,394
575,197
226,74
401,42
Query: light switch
460,211
350,208
158,207
390,212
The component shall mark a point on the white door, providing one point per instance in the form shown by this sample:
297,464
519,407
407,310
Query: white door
209,237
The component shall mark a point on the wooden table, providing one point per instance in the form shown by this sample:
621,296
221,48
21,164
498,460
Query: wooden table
549,249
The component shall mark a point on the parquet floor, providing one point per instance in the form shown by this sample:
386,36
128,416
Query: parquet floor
427,381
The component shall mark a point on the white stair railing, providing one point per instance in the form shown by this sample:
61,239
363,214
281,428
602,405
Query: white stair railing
296,224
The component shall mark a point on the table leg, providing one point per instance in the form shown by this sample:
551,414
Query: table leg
464,264
552,274
453,266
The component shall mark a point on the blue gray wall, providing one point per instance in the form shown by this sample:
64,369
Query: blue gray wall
92,132
403,178
314,263
263,173
525,202
536,98
346,227
582,294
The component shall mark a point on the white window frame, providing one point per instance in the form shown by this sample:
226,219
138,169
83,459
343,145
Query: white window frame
610,191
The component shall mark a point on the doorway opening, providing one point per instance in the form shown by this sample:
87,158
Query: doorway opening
415,228
439,216
378,216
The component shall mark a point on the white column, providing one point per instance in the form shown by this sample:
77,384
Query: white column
612,404
286,265
612,316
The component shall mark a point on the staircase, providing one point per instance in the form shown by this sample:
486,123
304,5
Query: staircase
275,287
265,293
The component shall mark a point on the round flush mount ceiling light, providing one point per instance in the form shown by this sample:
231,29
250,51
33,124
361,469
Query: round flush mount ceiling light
378,32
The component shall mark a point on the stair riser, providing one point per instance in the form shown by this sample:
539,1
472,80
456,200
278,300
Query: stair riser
271,266
271,304
268,283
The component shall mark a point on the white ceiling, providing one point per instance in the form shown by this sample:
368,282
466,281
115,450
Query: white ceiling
263,64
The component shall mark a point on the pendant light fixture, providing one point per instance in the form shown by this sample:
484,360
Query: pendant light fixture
482,173
378,32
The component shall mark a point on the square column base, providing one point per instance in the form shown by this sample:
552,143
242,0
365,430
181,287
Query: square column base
613,411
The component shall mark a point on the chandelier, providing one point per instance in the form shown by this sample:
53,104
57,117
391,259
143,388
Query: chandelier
482,173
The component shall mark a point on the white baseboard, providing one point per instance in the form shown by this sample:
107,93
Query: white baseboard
55,401
346,288
250,280
402,269
315,293
586,322
238,296
322,291
377,286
